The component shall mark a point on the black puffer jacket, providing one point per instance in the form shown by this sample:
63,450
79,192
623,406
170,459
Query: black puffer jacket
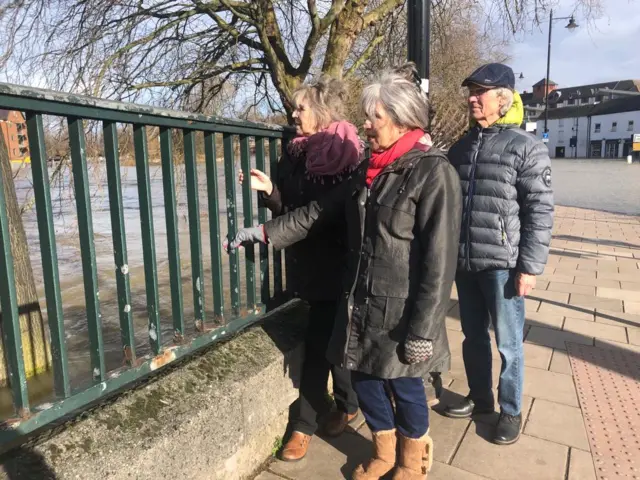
315,265
402,259
508,200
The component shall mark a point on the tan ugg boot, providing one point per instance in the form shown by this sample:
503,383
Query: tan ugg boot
416,458
383,460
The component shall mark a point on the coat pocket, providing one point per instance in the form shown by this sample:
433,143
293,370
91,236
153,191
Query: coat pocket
385,313
387,303
384,284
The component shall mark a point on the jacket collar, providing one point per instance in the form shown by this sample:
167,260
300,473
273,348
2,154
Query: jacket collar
409,159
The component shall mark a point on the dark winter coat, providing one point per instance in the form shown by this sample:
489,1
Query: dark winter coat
402,238
508,200
316,264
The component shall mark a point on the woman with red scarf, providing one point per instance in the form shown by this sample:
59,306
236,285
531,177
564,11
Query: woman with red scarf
325,152
403,214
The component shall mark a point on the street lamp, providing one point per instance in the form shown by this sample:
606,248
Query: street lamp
572,25
418,33
521,75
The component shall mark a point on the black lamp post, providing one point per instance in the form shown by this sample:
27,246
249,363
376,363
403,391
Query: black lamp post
571,26
418,31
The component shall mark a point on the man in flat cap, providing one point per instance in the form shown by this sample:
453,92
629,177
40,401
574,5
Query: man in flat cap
504,241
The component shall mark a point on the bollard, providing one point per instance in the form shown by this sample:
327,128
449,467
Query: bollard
629,159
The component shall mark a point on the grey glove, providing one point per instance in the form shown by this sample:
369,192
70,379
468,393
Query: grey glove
246,236
417,349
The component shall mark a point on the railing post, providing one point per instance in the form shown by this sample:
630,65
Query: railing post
148,241
87,247
119,236
49,254
277,255
262,218
247,213
173,242
214,225
10,317
232,221
193,206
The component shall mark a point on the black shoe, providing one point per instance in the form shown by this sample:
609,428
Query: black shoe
468,407
508,429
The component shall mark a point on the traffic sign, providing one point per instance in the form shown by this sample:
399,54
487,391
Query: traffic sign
545,137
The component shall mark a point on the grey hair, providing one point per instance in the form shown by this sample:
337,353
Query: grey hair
401,97
506,94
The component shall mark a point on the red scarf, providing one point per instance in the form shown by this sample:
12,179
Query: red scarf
381,160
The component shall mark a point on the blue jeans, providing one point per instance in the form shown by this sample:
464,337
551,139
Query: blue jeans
491,296
411,417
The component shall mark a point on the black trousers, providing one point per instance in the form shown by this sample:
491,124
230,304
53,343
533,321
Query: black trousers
315,372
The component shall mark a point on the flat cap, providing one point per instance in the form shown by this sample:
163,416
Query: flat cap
492,75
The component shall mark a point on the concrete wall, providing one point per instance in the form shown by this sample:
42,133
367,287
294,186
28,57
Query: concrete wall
216,416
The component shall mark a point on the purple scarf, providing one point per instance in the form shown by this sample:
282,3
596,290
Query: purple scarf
336,150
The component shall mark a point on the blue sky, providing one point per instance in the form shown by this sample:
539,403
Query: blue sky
607,49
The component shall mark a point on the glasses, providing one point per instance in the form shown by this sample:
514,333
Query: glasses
476,92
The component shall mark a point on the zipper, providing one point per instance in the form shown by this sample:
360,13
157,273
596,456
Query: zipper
472,187
505,237
405,180
351,293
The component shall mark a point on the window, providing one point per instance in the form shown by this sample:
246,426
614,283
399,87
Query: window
614,126
571,101
561,123
596,128
630,127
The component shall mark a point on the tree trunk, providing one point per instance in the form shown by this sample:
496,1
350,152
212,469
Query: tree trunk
343,34
35,344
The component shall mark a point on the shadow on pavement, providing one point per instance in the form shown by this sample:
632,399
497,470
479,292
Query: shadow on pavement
599,241
25,464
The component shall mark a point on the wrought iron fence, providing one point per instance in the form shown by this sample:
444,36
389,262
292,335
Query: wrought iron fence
188,336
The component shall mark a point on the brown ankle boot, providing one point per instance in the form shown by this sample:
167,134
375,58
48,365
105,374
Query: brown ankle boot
416,458
337,422
296,448
383,460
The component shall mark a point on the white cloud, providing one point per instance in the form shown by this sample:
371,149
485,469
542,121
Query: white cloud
604,51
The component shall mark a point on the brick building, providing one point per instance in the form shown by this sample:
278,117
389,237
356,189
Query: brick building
14,129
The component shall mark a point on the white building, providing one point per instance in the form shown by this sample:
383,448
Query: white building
589,121
602,130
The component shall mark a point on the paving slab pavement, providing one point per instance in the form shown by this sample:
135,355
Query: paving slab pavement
590,295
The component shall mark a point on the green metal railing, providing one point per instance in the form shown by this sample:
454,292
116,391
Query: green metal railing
187,338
